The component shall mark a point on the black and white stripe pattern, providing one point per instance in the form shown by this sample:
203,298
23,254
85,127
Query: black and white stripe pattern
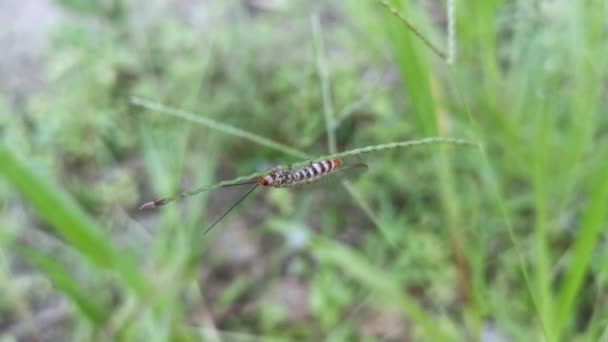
280,178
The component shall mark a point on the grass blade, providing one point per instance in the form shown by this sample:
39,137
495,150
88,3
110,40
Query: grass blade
68,220
594,219
399,144
322,68
67,284
218,126
413,29
367,274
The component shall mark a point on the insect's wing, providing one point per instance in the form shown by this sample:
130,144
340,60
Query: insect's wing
349,171
346,172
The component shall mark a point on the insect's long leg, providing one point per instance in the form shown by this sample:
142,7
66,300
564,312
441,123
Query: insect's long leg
229,210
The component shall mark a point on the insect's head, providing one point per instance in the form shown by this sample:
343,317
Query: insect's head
273,177
276,177
267,180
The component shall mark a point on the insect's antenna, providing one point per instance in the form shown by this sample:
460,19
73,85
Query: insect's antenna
162,201
229,210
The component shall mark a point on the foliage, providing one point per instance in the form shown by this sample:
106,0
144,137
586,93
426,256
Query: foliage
433,241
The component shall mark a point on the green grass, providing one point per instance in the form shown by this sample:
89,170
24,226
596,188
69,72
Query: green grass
434,242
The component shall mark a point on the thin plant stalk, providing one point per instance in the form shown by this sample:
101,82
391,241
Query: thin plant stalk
414,30
323,69
368,149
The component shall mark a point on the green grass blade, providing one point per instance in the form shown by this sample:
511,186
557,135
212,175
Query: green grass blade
451,9
328,108
63,280
491,180
413,29
399,144
376,280
67,219
359,199
594,219
218,126
57,209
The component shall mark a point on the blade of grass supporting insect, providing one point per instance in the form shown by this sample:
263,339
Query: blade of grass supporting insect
323,70
236,181
594,219
62,213
218,126
399,144
367,149
62,279
376,280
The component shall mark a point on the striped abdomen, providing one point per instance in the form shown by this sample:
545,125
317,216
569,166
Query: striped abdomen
280,178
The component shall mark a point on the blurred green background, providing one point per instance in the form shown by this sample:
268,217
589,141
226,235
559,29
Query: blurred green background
436,242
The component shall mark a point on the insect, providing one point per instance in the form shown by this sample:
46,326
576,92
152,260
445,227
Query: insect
277,177
280,178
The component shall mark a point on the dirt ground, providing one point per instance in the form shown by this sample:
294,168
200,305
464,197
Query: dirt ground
24,37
